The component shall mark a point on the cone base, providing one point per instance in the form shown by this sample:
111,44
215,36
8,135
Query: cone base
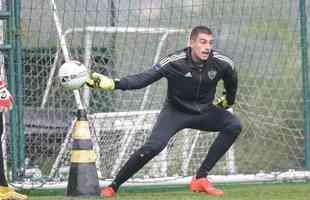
83,180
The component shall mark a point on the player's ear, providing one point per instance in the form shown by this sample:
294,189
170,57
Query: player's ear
190,42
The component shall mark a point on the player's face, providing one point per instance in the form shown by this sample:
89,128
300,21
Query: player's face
201,46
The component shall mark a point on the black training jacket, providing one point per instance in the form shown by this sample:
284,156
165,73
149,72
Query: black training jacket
191,87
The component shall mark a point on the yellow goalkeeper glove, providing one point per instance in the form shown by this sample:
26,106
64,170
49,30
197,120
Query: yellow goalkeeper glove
100,81
222,102
9,193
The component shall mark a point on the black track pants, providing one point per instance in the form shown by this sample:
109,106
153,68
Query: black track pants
169,122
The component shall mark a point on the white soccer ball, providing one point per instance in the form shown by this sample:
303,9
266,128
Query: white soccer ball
73,75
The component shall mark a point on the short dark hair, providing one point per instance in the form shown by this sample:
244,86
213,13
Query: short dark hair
199,29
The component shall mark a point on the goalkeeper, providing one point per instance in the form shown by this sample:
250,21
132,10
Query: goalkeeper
192,74
6,103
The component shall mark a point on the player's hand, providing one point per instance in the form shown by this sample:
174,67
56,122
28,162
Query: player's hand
100,81
222,102
6,99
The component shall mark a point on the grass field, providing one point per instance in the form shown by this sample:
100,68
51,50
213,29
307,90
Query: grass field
280,191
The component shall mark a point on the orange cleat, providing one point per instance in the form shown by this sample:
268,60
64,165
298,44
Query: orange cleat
107,192
204,185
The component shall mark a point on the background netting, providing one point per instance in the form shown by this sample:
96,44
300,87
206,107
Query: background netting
261,36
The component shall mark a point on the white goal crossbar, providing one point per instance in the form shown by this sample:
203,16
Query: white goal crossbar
88,39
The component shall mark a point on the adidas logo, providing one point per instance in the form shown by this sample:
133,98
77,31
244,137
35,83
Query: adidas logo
188,74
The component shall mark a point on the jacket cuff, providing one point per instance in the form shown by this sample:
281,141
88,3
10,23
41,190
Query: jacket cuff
230,99
116,84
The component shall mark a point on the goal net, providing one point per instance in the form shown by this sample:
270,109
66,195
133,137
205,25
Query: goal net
119,38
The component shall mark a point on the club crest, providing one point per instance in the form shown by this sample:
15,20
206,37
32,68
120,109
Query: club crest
212,74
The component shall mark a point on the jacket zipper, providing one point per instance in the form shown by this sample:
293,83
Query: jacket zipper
198,89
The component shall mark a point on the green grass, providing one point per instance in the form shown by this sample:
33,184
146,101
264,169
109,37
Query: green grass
283,191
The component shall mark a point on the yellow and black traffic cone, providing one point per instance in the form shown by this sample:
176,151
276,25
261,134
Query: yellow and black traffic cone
83,177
